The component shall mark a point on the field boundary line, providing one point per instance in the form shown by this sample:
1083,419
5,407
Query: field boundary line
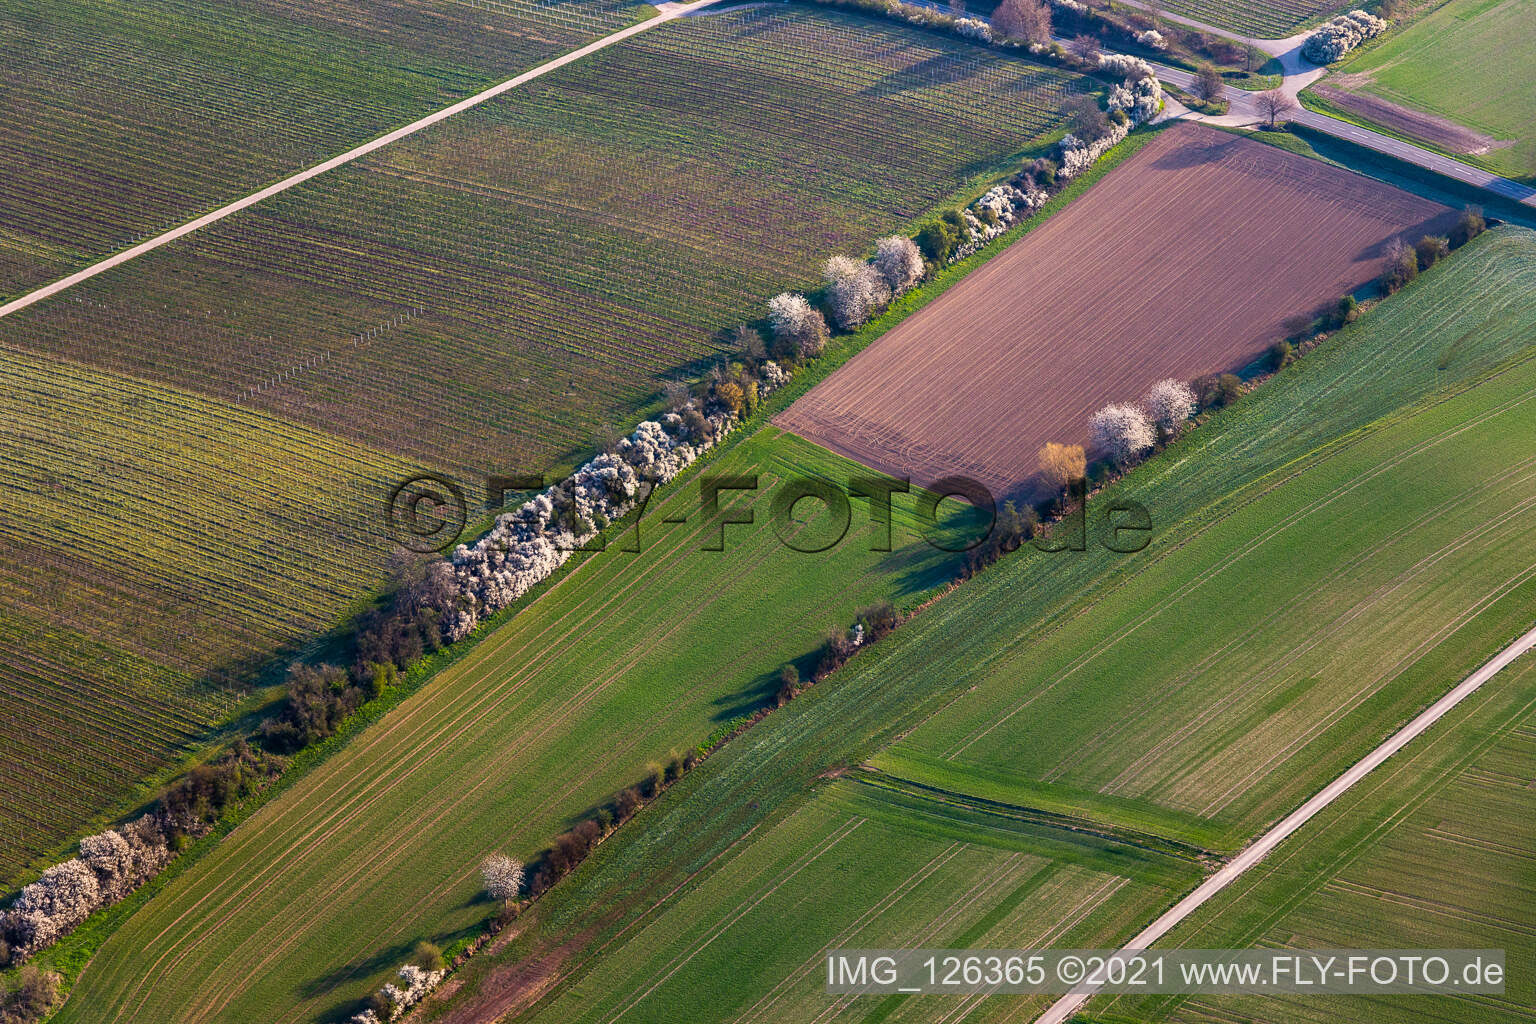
1067,1005
666,12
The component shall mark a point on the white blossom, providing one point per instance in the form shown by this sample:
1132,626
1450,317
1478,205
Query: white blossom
1123,432
899,261
855,291
793,320
1170,403
1336,37
974,28
503,876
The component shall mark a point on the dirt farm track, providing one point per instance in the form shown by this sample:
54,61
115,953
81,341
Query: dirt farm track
1186,259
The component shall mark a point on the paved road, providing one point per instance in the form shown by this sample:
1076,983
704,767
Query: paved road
668,11
1063,1008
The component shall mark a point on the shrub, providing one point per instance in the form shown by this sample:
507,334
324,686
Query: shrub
428,956
1280,354
320,697
839,647
878,621
1060,464
1402,266
35,995
651,784
1123,432
789,683
502,876
731,396
626,804
936,240
1347,311
1213,391
1468,226
1431,249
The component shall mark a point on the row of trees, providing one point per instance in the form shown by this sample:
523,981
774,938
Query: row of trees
1404,262
1125,431
114,863
418,976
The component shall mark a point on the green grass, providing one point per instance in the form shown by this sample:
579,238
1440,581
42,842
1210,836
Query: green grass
570,246
1376,384
1430,851
125,119
1465,61
857,868
1230,677
311,903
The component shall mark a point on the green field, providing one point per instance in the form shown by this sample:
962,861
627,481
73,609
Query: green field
1225,681
312,902
1431,851
495,295
861,868
123,120
1262,19
1467,62
1386,395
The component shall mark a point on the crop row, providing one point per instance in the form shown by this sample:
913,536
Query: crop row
124,120
1260,18
155,543
590,235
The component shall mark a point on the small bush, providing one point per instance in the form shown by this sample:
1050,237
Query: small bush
1468,226
1347,311
1281,354
626,804
789,683
1402,267
1431,249
1216,390
428,956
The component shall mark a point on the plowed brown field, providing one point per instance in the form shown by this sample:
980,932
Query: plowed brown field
1186,259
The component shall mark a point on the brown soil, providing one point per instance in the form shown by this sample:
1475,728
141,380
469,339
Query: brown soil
1437,131
1186,259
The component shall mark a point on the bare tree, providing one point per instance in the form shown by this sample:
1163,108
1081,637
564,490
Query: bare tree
1023,19
1208,84
1274,104
1086,47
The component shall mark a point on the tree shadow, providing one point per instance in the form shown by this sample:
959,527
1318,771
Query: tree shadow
383,959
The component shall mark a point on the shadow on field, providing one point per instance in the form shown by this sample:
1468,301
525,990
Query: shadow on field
940,69
384,959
